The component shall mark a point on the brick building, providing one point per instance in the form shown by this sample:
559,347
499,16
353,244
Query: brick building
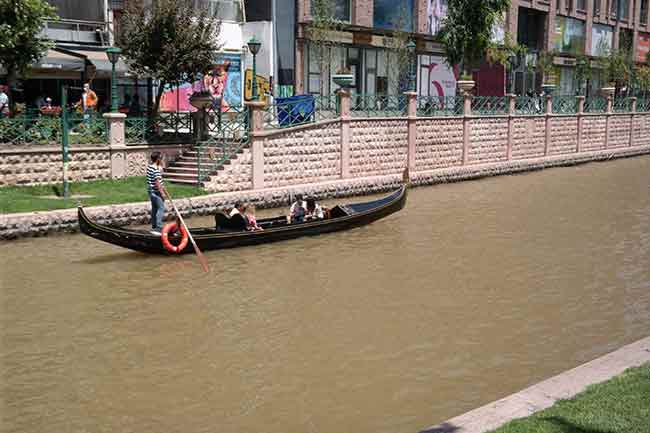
363,45
568,28
573,28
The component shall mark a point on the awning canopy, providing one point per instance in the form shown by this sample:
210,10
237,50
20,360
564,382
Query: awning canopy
79,61
55,60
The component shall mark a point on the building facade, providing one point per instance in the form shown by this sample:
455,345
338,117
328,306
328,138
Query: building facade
81,36
364,46
571,29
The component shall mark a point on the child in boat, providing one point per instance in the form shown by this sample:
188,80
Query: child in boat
249,213
298,210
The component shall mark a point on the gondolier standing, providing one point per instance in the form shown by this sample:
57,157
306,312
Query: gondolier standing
157,192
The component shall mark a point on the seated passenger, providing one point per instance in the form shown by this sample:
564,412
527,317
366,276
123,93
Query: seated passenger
298,210
249,213
237,209
314,210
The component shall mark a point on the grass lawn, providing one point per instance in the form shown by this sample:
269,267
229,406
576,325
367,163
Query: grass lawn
620,405
34,198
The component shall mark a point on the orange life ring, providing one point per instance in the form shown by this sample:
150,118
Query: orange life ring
172,227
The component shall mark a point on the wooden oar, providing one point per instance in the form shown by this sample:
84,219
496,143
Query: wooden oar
199,254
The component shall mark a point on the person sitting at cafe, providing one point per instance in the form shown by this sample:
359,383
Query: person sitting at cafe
298,210
314,210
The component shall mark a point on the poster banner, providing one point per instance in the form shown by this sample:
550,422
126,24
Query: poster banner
223,80
436,77
263,86
643,42
436,12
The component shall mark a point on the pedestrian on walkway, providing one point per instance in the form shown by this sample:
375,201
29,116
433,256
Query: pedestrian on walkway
157,192
4,102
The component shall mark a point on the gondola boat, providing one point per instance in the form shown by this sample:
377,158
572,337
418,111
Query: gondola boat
231,232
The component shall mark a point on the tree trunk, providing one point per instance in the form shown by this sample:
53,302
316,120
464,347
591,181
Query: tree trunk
12,79
159,93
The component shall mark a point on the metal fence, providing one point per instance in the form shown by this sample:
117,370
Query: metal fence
33,127
165,127
378,105
227,134
431,106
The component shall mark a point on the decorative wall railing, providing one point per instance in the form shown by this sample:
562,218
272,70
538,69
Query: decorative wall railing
226,135
165,127
35,128
228,129
430,106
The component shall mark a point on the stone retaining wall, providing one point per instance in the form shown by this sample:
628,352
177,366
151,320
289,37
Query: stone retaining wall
35,165
42,223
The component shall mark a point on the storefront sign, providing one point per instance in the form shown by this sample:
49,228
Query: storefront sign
263,86
436,78
643,49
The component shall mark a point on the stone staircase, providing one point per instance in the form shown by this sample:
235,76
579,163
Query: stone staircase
185,169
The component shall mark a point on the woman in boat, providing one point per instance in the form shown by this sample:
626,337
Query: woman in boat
314,210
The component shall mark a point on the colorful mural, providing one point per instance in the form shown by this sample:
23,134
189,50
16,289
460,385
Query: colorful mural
224,79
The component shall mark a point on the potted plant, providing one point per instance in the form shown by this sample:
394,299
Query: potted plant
201,99
466,83
546,67
344,78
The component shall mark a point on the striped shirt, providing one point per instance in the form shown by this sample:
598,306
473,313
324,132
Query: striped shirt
154,173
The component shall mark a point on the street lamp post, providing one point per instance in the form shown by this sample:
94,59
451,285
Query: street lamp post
254,46
410,46
113,54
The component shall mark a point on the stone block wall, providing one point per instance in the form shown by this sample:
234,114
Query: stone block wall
528,137
488,140
439,143
619,131
236,176
303,155
564,135
378,146
43,166
593,132
641,130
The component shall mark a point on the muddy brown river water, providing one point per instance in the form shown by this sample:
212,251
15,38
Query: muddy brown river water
474,291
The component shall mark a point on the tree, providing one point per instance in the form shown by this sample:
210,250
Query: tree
401,58
21,22
320,34
467,30
172,41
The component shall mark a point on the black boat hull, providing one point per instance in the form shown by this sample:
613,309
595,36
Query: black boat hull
212,239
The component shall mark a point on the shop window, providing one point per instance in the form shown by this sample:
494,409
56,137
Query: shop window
644,11
597,7
393,14
620,8
225,10
340,9
581,5
569,35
